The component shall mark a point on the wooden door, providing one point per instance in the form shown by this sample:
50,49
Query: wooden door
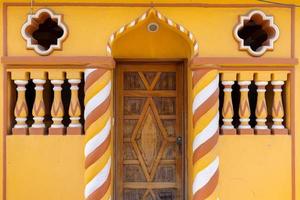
149,133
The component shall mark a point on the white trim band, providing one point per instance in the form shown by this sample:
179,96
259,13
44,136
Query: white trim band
20,82
244,120
74,118
227,82
39,88
57,118
57,82
277,126
261,90
244,83
39,81
260,127
75,125
57,126
227,127
261,83
244,90
261,120
73,87
38,118
21,119
277,120
42,125
21,126
277,82
74,81
57,88
21,88
244,127
227,90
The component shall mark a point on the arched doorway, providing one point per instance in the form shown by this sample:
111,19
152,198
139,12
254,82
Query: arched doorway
150,107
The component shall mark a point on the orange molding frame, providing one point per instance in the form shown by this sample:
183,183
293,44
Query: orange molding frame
243,61
95,61
106,62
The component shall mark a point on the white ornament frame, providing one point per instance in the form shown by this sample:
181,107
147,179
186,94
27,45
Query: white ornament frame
270,41
30,42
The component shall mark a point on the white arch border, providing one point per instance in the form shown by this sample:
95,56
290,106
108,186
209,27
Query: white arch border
162,18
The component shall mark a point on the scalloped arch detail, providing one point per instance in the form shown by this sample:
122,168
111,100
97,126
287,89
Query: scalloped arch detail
188,34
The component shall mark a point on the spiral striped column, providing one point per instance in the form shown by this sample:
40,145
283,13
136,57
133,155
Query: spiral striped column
98,143
205,162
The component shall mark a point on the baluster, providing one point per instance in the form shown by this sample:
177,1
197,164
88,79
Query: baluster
57,109
21,109
261,110
38,110
227,110
277,108
244,108
75,127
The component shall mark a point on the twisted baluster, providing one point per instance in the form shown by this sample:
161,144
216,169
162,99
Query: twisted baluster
98,144
205,134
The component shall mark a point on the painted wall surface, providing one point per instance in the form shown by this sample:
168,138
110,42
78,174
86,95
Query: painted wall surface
51,168
252,168
91,27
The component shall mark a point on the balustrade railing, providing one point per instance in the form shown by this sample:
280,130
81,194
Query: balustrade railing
254,103
52,102
56,111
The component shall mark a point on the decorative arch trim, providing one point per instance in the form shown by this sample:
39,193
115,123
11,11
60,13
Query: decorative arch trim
189,35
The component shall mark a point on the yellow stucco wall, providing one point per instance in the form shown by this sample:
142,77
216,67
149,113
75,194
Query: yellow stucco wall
252,168
94,25
51,168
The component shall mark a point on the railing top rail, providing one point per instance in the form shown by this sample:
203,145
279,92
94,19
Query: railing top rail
58,61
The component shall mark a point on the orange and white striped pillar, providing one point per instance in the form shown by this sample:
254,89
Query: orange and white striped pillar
98,143
205,108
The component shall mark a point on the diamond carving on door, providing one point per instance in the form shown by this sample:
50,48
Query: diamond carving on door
148,141
149,110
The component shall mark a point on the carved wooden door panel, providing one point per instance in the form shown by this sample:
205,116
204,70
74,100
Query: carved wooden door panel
149,132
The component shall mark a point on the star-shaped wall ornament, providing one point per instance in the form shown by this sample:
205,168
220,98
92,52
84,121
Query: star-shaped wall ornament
44,31
256,32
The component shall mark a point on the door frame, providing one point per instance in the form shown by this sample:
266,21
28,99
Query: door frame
184,64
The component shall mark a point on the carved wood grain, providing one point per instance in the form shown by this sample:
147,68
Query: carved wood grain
157,155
